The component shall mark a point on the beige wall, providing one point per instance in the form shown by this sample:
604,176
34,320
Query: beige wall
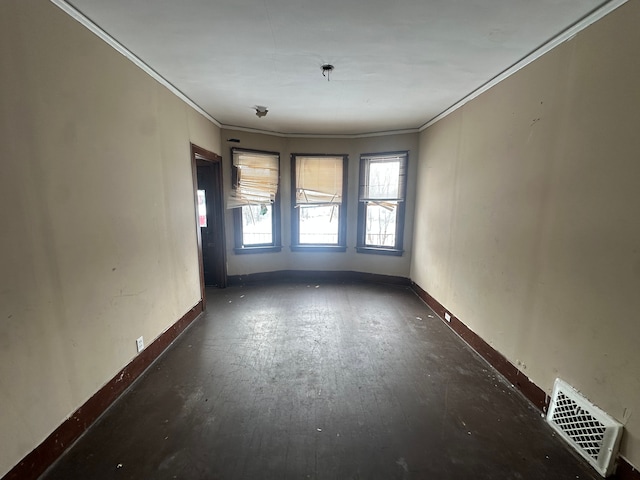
350,260
527,224
98,241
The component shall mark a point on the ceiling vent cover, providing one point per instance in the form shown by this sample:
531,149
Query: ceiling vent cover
593,433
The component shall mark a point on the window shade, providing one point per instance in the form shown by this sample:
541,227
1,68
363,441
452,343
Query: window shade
257,179
319,180
383,178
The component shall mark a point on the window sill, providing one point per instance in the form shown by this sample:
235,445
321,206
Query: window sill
266,249
380,251
318,248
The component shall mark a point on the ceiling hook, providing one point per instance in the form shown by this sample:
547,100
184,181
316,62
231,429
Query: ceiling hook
326,70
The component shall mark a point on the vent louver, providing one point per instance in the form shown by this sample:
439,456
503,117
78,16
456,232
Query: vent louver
593,433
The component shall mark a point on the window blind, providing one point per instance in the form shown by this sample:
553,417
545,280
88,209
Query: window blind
319,180
257,179
383,178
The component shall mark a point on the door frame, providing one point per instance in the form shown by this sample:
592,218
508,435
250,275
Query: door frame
199,153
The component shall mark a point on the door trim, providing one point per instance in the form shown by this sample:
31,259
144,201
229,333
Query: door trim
199,153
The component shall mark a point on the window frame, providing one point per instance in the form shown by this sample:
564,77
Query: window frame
361,246
341,245
276,244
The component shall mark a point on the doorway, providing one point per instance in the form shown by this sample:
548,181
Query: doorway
207,176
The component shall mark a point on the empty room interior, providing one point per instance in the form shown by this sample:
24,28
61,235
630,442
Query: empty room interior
296,239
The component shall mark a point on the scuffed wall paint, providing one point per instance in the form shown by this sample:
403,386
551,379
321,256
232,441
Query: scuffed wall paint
526,221
98,244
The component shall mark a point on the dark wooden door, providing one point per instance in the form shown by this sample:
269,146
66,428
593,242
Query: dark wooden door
206,168
212,227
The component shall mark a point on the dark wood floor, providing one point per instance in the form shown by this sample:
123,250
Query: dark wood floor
320,381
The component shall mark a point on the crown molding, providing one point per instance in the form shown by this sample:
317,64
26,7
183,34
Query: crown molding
565,35
385,133
82,19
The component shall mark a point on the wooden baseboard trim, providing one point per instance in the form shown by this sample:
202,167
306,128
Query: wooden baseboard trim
537,396
626,471
316,276
45,454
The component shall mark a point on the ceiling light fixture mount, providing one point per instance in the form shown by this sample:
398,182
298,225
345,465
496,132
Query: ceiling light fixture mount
327,68
261,111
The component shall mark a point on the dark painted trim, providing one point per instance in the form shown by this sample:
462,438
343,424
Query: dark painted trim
317,276
626,471
537,396
380,251
362,246
261,249
199,153
45,454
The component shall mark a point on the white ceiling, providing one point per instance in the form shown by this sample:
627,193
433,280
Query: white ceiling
398,64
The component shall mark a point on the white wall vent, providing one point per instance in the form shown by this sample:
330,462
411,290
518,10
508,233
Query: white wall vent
593,433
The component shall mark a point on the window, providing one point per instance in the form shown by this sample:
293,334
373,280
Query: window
381,205
318,185
256,201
